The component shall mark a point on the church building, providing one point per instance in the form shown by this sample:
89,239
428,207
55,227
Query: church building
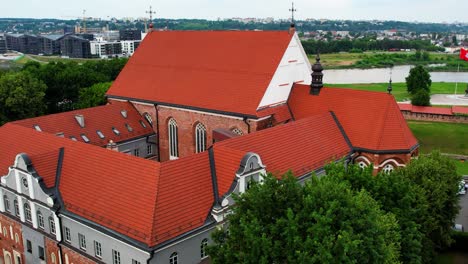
194,117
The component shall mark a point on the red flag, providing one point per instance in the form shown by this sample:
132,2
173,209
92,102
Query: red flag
464,54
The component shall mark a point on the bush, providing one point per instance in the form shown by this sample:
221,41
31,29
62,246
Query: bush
421,98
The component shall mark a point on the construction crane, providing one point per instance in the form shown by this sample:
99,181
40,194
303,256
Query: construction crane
84,20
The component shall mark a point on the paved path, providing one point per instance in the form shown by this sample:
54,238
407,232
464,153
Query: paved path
449,99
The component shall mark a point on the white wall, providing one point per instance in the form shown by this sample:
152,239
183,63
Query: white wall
294,67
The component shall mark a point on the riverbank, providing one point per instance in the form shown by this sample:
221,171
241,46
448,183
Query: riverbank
399,89
370,60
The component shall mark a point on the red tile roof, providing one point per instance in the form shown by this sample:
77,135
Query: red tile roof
301,146
162,201
372,120
280,113
102,118
460,110
203,69
425,109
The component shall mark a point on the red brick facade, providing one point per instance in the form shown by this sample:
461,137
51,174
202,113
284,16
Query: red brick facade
463,119
51,248
11,239
379,160
71,256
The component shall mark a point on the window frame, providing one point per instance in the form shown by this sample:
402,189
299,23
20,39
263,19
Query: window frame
173,134
67,235
149,149
6,203
203,246
40,219
41,252
200,138
27,212
174,258
97,249
82,241
115,256
17,210
52,226
28,246
136,152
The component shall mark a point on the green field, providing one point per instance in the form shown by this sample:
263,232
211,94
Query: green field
399,89
47,59
446,137
366,60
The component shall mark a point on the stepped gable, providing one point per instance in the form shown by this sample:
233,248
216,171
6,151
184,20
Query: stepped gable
102,118
204,70
302,146
162,201
372,120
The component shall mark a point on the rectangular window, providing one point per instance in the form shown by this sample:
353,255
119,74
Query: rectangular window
135,261
136,152
17,211
149,149
115,257
28,246
41,252
67,234
52,225
97,249
7,203
82,240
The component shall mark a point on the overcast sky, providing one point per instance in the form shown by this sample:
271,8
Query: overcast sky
403,10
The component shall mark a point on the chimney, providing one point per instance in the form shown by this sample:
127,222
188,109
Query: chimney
112,146
292,29
80,120
317,77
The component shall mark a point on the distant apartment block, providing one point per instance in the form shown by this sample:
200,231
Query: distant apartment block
129,47
24,43
75,46
130,34
49,44
3,48
104,49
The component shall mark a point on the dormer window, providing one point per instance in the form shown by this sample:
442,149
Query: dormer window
73,138
148,118
85,138
37,128
142,124
116,131
129,128
100,134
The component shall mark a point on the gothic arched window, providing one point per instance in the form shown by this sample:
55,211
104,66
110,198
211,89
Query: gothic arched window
200,138
173,139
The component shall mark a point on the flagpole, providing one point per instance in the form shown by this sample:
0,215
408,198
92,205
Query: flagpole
456,84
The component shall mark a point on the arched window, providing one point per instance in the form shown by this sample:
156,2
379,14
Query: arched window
16,205
27,212
203,246
200,138
5,233
53,258
362,165
237,131
16,238
173,139
173,258
388,168
6,202
52,225
40,219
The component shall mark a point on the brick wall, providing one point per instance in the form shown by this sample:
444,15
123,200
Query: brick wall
74,257
379,159
51,247
8,243
186,122
435,117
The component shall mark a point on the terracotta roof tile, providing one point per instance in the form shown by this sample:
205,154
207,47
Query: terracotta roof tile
301,146
102,118
280,113
459,110
46,166
372,120
198,73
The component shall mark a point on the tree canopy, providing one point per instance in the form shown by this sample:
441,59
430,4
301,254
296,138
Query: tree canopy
93,96
21,96
348,216
418,78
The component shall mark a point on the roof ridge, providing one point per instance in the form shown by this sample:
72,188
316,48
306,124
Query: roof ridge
152,237
382,128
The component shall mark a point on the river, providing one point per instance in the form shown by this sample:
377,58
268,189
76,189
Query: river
399,73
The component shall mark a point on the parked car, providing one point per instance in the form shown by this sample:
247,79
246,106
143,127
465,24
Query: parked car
458,227
462,187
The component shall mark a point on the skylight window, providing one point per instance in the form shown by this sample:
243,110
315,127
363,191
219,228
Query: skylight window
124,113
85,138
100,134
116,131
129,128
73,138
142,124
38,128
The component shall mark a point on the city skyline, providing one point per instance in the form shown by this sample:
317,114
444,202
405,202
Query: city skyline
417,10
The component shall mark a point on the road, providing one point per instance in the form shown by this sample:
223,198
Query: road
462,217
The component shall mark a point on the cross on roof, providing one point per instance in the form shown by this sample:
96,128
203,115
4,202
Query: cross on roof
150,12
292,12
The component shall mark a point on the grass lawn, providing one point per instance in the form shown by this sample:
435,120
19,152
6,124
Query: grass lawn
399,89
47,59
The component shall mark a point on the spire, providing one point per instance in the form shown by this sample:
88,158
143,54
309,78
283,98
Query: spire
389,88
317,77
150,12
292,28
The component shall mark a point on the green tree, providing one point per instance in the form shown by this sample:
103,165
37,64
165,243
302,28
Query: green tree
21,96
421,98
321,222
93,96
437,176
419,78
